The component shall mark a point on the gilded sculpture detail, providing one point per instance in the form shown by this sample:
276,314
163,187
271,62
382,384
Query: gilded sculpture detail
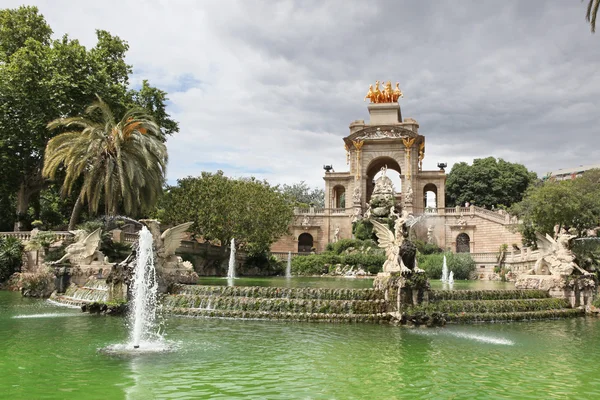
387,95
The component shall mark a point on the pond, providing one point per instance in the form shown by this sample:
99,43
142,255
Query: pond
52,352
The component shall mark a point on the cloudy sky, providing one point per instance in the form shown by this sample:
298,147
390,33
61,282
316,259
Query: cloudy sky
269,88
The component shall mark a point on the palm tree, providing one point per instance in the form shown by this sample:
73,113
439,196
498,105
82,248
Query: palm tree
121,162
592,11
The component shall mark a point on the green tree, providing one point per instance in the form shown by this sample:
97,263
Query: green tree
569,203
302,195
121,162
43,79
251,211
591,13
488,182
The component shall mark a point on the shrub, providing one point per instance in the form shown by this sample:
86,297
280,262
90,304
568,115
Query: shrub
371,262
271,264
11,257
460,264
427,248
313,264
363,230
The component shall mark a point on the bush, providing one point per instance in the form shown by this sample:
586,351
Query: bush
460,264
427,248
363,230
11,257
314,264
372,262
271,264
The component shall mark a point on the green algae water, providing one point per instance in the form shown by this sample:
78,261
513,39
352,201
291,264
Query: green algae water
52,352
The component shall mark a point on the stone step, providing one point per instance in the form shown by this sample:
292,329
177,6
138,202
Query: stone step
515,316
436,295
287,316
493,306
278,292
276,304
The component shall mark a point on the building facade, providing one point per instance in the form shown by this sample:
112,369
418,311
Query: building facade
390,143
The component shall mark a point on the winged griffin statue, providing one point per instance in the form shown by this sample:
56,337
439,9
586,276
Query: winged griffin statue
166,244
400,253
555,256
85,250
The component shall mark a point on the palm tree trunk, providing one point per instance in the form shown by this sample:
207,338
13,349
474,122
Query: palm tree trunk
76,212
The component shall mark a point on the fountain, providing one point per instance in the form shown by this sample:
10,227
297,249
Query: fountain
231,270
451,278
143,292
288,268
444,271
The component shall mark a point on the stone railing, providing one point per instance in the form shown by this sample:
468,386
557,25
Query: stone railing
25,236
310,210
501,217
484,257
283,256
338,211
130,237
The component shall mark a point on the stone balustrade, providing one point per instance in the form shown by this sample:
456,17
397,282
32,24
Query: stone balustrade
25,236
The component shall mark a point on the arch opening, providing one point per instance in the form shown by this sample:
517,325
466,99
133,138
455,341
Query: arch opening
305,243
338,198
463,243
374,171
430,197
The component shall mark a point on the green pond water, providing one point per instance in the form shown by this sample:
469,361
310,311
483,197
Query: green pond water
52,352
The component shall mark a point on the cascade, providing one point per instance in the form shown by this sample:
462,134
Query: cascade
451,278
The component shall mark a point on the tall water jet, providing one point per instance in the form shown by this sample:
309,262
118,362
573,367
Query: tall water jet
288,268
444,271
451,278
144,289
231,270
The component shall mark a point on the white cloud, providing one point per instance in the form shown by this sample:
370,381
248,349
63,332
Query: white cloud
270,87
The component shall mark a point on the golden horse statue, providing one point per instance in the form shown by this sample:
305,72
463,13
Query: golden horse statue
387,95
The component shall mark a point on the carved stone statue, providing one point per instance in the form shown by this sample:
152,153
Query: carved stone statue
170,267
555,256
383,195
397,93
356,194
85,250
430,234
357,216
305,221
408,198
400,252
336,234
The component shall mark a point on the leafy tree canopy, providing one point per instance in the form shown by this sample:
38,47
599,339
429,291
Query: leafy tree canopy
569,203
302,195
43,79
249,210
488,182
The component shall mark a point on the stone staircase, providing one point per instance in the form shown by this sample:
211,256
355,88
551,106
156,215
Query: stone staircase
296,304
495,305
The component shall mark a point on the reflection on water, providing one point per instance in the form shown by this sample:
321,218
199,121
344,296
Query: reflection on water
58,358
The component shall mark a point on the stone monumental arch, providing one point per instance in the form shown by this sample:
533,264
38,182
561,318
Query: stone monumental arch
390,142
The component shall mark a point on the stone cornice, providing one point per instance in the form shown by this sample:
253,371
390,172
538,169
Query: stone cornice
382,132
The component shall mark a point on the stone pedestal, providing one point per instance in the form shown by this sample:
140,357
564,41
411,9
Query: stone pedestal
402,291
385,114
579,290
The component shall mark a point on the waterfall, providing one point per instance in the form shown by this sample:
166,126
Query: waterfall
444,271
288,268
231,270
144,289
451,278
